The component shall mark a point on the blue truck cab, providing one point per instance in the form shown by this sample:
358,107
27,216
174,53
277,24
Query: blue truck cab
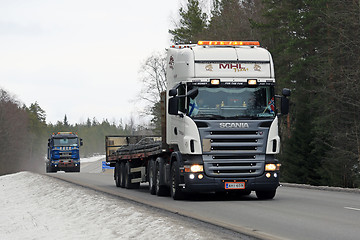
63,152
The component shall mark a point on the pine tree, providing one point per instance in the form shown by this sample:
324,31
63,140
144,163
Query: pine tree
66,123
192,23
341,110
38,112
295,34
232,20
37,137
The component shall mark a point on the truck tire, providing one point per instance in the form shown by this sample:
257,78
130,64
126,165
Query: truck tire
128,177
75,169
152,179
122,175
50,169
264,195
160,190
117,176
175,190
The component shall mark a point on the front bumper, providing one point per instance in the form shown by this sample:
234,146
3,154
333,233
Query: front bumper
65,164
211,184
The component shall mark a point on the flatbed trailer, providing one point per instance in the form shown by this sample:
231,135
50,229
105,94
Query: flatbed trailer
133,158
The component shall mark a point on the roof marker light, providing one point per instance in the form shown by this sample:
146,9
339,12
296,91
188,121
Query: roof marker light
252,82
229,43
214,81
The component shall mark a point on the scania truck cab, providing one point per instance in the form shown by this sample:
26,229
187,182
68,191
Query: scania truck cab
222,120
63,152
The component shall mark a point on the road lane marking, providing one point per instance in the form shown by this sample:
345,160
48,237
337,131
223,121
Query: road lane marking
350,208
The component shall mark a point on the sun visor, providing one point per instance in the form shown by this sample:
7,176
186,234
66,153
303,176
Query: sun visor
239,62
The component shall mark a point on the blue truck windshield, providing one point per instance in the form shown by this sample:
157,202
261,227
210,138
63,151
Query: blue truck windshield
233,102
65,142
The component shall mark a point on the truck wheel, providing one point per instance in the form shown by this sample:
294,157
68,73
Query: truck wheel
159,189
175,190
152,179
263,195
122,175
76,169
128,177
117,174
50,169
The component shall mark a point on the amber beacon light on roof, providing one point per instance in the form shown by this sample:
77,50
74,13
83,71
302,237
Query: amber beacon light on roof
229,43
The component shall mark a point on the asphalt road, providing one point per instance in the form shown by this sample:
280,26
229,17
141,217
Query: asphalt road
295,213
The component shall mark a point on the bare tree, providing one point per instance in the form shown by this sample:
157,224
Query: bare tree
153,77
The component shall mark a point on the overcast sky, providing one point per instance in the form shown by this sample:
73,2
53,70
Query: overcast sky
81,57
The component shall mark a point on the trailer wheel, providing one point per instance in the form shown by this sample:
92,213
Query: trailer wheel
159,189
117,174
152,178
264,195
128,177
122,174
175,190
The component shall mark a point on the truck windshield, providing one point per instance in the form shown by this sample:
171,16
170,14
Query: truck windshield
232,103
61,142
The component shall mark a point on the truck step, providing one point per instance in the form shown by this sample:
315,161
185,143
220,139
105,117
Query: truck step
136,180
138,169
142,170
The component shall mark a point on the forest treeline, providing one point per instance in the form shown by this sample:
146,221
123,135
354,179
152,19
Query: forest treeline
24,134
315,45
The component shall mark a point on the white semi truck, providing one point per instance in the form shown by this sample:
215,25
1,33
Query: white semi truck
219,125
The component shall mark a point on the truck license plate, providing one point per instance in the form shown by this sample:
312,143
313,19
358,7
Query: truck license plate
234,185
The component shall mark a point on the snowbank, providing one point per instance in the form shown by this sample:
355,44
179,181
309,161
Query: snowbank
35,206
92,159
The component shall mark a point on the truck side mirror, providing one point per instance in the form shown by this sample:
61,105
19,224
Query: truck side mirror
285,101
173,106
49,142
286,92
173,92
193,93
81,142
284,105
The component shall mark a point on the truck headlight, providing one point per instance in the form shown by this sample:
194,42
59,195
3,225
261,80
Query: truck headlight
194,168
272,167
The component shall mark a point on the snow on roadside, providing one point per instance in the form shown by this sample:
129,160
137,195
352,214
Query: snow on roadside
35,206
92,159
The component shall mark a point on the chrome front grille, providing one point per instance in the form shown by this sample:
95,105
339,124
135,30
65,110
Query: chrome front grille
234,153
250,142
65,155
234,169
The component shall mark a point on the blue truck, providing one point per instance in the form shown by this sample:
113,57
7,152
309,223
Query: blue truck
63,152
